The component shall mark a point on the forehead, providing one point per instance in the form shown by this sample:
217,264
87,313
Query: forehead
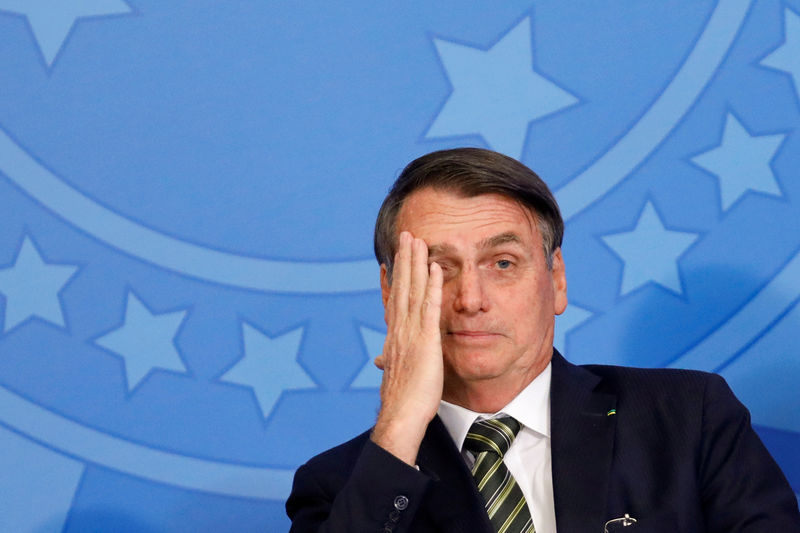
440,216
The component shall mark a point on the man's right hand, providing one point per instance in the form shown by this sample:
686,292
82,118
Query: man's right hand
411,361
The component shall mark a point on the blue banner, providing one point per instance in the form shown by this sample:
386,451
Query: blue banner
189,306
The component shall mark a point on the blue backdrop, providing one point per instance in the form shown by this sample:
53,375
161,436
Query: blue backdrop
188,302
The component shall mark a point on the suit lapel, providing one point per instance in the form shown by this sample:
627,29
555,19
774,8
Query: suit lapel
582,445
582,429
454,502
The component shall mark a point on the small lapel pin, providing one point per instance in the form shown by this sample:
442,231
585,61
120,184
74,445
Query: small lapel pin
611,412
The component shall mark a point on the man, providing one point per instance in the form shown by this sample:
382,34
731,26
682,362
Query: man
484,427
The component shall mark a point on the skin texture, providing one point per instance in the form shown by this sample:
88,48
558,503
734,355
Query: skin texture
470,311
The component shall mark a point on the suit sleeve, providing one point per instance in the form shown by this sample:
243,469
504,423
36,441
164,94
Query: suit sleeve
382,493
742,487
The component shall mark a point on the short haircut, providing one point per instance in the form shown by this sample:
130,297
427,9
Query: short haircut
470,172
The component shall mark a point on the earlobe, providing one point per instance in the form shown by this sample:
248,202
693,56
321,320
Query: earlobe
559,283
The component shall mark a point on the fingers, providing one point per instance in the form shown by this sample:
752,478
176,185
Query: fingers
409,277
412,363
432,306
401,277
419,277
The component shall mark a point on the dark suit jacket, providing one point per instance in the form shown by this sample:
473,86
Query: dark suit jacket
678,454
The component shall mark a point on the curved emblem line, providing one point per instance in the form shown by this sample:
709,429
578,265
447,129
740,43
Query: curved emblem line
76,440
662,117
747,323
175,254
327,277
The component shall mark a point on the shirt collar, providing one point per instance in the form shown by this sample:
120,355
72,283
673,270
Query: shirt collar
531,408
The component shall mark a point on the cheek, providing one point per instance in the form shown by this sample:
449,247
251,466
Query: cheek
448,295
524,313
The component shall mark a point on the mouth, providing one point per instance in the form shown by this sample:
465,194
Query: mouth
472,336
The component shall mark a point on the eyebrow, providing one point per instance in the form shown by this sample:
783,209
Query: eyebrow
440,249
498,240
489,242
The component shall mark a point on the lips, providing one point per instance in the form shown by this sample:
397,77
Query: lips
472,336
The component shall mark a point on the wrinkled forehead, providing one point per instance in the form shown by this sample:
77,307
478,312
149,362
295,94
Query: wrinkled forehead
445,219
444,208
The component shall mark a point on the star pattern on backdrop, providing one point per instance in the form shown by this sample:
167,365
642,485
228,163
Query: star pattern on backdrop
370,376
571,318
741,162
787,56
51,21
650,252
496,92
269,366
31,287
145,341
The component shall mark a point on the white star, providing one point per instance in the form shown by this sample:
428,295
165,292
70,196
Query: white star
496,92
52,20
370,375
650,252
741,162
269,366
145,341
787,56
573,317
31,287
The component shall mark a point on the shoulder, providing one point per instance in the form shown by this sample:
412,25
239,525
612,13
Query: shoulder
633,381
677,393
657,379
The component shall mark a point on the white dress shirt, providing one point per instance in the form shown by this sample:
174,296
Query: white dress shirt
529,457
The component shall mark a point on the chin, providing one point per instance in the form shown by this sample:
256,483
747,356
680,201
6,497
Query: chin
473,366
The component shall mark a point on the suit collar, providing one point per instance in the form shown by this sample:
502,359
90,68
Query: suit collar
583,427
582,447
531,408
455,502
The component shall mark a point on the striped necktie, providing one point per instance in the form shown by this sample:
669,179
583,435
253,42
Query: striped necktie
489,440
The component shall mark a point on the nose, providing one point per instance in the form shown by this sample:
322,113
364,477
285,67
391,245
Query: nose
470,296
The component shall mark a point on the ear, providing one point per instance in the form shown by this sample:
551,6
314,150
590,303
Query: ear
559,276
385,287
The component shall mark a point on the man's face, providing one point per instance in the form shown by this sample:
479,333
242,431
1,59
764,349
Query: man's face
499,298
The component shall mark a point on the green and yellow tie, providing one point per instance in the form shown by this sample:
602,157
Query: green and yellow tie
489,440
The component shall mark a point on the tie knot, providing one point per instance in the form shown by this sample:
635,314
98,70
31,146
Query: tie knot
493,435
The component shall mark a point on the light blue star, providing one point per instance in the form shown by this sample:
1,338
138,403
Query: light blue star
145,341
370,375
741,162
787,56
52,20
31,287
650,252
269,366
573,317
496,92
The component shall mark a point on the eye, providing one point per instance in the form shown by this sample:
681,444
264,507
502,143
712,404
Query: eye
503,264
